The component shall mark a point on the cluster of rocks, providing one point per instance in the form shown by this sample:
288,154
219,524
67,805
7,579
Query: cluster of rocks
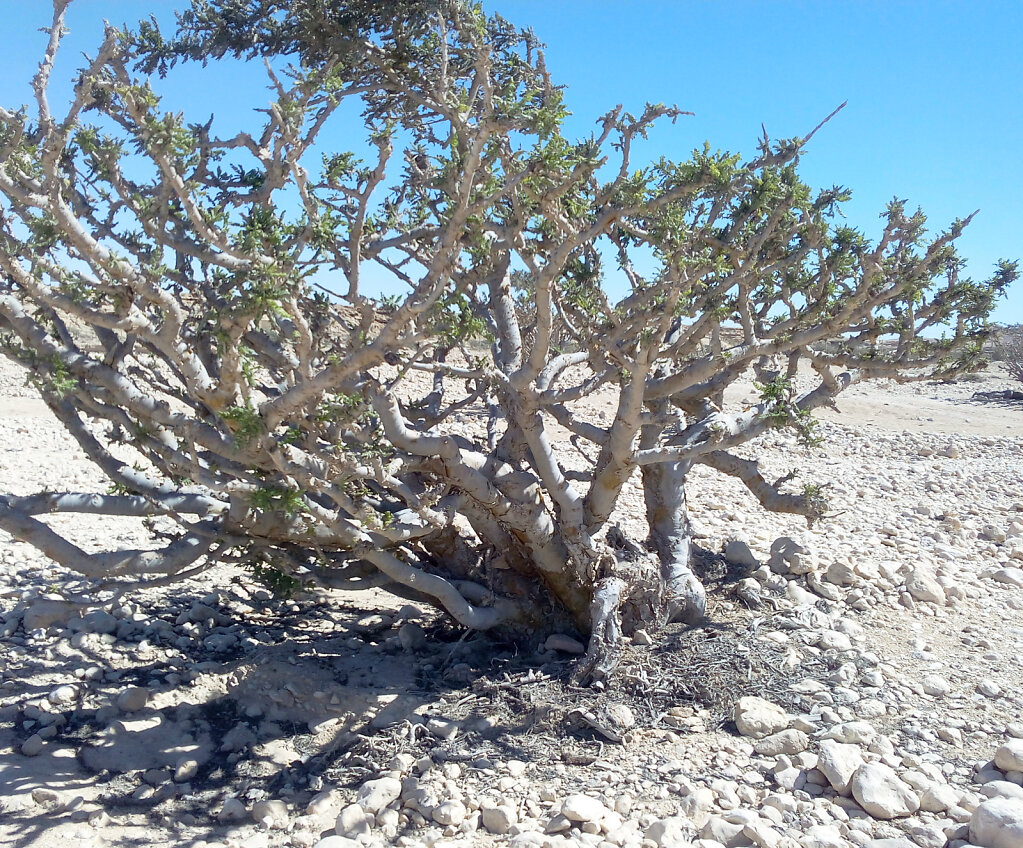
850,765
789,783
859,765
777,792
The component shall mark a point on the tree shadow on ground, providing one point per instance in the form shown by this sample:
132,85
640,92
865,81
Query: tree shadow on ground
313,694
1007,399
300,687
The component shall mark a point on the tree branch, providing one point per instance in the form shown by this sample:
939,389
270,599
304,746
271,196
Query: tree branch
769,495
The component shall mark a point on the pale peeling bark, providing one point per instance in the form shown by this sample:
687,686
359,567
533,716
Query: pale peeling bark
172,559
197,310
684,598
770,495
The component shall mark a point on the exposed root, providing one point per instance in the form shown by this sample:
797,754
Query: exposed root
604,650
685,599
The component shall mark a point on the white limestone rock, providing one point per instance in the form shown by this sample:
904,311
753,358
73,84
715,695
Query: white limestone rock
498,818
271,813
1010,756
62,695
852,732
724,832
833,640
33,746
757,718
790,741
232,811
132,699
669,832
988,688
1011,576
992,533
353,822
46,612
238,738
565,644
791,557
923,587
839,762
696,805
451,812
583,808
374,795
928,836
842,574
823,836
1001,789
938,797
738,552
936,686
334,841
997,823
823,588
878,789
412,637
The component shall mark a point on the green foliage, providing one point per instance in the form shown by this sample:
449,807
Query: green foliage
45,234
169,137
807,429
324,231
249,361
581,284
704,168
781,411
245,424
776,394
76,289
260,292
262,230
274,498
338,167
277,582
1009,345
211,245
815,495
120,489
310,29
389,303
237,177
453,320
341,408
55,378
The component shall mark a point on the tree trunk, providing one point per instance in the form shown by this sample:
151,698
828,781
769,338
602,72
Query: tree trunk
682,595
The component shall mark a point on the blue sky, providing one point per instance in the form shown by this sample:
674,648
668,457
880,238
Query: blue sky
935,90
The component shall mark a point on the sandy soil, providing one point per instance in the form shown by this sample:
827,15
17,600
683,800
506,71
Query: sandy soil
242,700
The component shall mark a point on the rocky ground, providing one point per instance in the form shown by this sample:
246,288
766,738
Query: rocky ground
858,684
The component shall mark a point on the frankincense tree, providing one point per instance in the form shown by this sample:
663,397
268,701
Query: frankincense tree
202,313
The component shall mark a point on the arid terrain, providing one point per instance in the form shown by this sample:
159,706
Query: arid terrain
884,645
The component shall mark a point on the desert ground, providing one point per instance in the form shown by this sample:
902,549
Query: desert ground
857,684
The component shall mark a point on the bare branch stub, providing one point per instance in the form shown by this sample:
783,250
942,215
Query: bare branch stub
205,302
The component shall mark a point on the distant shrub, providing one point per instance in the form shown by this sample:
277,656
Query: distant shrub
1010,350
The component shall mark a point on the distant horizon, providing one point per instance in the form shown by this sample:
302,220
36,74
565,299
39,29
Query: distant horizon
935,92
